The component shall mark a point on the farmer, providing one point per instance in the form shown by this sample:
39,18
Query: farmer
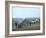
30,23
16,24
19,26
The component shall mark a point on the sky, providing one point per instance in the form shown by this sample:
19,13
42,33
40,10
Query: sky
28,12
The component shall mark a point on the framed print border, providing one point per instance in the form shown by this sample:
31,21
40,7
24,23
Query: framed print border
7,18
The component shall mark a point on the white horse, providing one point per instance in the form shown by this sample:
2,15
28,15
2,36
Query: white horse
33,22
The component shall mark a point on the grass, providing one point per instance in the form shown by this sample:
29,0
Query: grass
35,26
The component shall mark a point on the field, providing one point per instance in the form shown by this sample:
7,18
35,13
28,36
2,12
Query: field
35,27
26,24
32,27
